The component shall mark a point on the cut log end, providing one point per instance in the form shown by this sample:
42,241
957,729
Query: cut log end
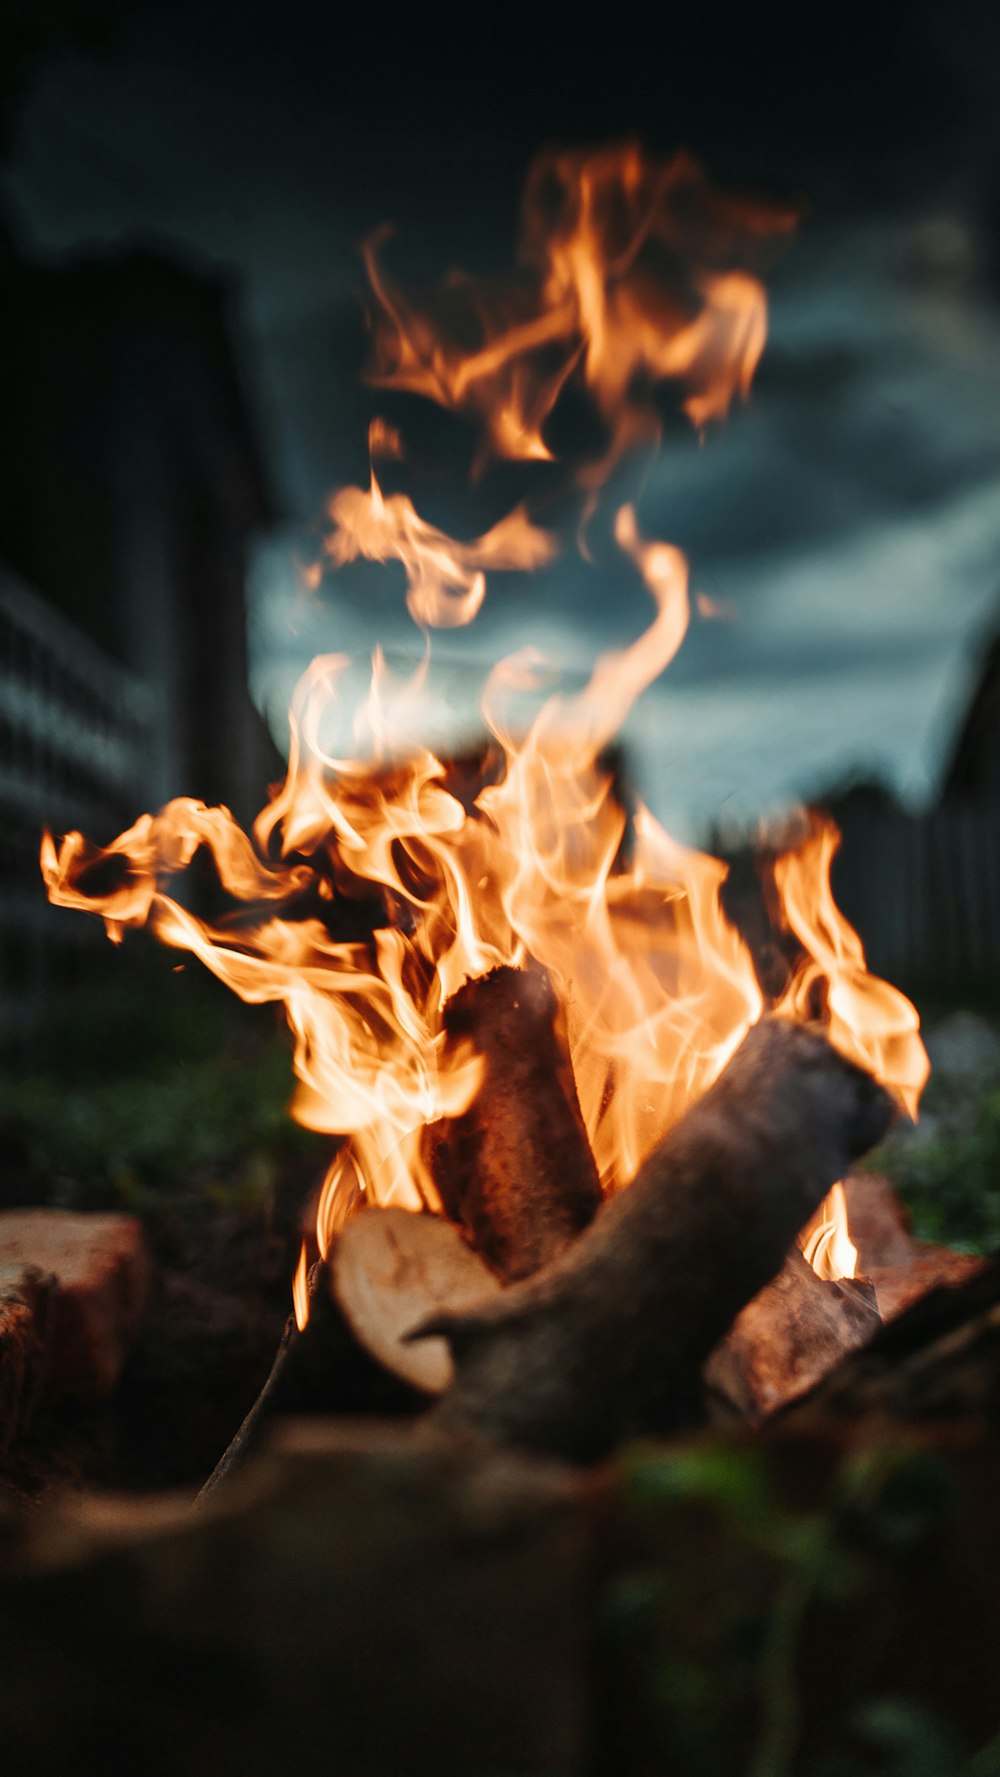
391,1269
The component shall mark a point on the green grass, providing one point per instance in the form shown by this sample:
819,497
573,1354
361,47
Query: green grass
150,1083
951,1184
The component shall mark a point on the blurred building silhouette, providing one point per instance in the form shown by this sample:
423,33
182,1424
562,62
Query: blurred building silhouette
131,487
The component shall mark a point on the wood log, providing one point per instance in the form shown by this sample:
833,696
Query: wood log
787,1339
936,1360
516,1171
102,1272
609,1340
388,1270
900,1267
25,1316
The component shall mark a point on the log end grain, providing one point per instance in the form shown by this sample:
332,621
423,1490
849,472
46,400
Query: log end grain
102,1273
391,1269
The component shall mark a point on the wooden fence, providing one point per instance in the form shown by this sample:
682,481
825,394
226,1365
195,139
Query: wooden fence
75,732
924,891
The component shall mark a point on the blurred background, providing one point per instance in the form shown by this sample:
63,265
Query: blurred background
184,190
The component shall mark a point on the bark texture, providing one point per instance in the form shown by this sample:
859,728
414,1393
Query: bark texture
609,1340
788,1338
516,1171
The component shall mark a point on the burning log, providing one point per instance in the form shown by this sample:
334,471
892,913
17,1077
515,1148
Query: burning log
937,1359
791,1335
901,1268
609,1340
516,1171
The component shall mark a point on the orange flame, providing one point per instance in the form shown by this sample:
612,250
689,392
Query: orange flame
601,300
300,1291
445,580
826,1243
872,1023
657,987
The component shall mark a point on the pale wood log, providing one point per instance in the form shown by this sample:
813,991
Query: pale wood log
390,1269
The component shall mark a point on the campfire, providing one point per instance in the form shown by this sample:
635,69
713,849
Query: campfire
619,1422
575,1137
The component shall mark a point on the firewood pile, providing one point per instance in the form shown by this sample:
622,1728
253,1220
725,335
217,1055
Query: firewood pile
537,1317
466,1560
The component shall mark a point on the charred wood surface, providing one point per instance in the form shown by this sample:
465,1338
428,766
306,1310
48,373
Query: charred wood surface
609,1340
797,1330
937,1360
516,1171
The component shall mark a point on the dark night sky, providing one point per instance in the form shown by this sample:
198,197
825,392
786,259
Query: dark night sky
851,516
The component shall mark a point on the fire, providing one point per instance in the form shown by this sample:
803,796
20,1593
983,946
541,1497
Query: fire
446,581
300,1289
657,987
595,302
871,1022
827,1243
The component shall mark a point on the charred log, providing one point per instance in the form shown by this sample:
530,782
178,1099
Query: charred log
937,1360
798,1329
609,1340
516,1171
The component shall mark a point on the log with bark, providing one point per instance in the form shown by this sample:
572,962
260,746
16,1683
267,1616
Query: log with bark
609,1340
936,1360
610,1336
787,1339
516,1171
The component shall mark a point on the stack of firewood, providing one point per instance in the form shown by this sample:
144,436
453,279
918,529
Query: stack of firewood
539,1315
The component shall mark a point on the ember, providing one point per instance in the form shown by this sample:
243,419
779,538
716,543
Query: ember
541,875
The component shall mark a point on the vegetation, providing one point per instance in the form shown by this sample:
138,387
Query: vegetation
951,1182
947,1171
765,1623
153,1084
